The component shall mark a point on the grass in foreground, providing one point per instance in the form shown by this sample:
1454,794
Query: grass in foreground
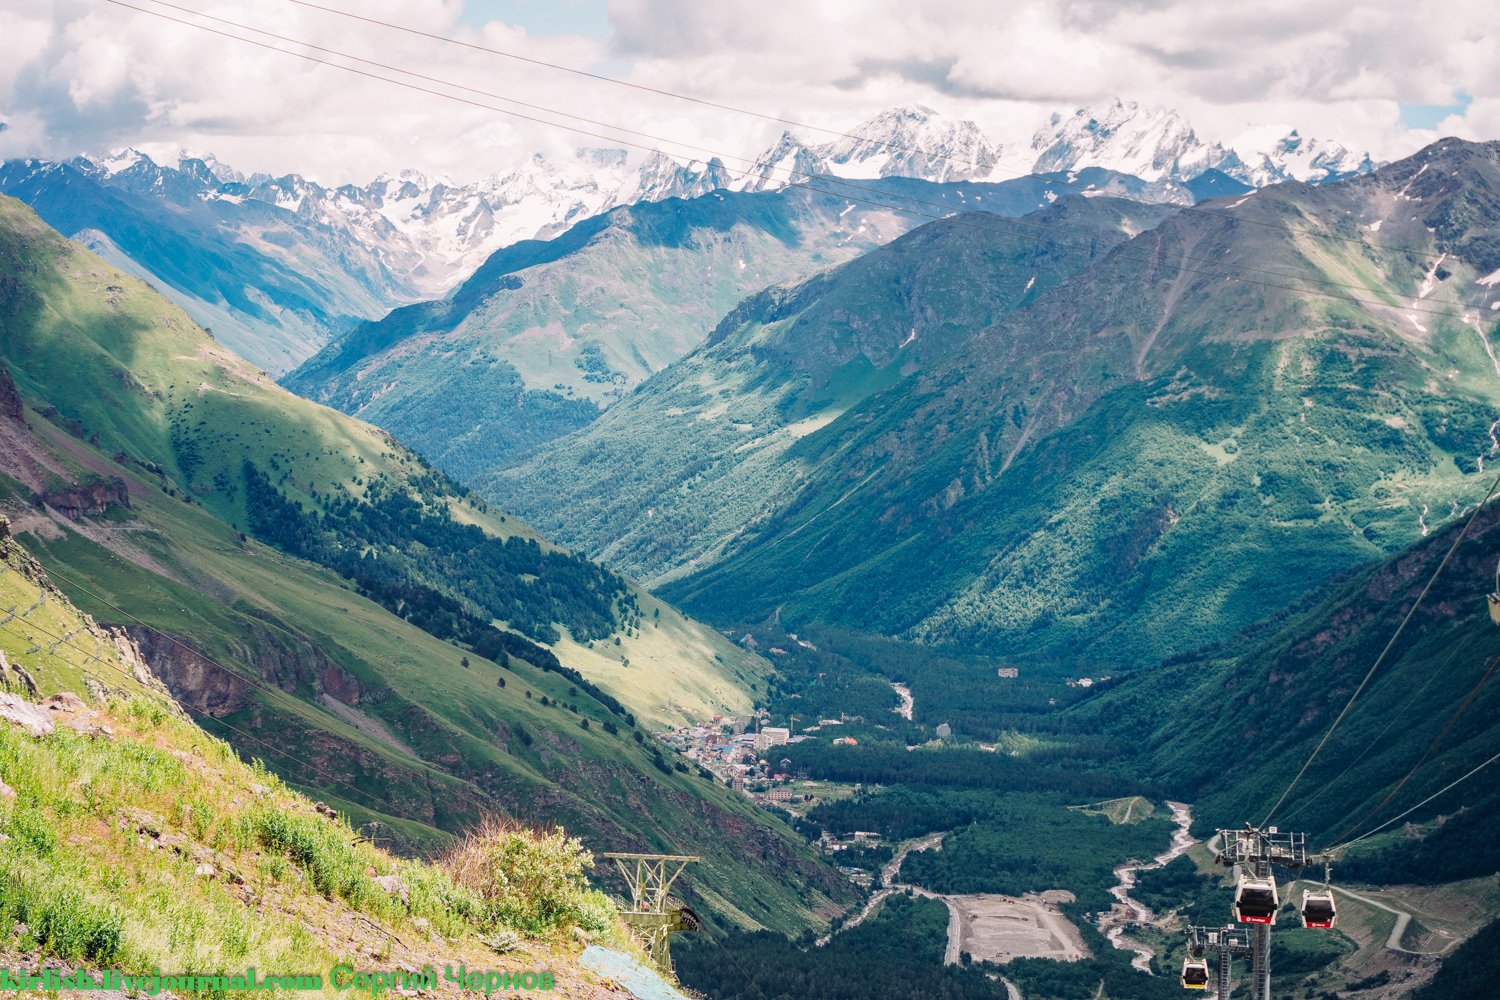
133,840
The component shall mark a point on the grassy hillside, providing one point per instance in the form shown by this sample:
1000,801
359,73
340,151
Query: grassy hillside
135,841
546,334
673,475
125,402
1116,471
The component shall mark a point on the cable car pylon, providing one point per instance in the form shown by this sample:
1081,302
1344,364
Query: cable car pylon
652,913
1226,943
1256,854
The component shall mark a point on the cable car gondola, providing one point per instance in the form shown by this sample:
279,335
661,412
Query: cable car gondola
1495,598
1318,909
1255,900
1194,974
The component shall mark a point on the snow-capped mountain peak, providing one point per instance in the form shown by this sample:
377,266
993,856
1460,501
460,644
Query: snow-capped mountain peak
788,161
1279,152
912,140
1153,144
221,171
119,161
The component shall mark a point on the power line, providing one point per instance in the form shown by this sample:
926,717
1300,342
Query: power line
1225,271
1383,653
1378,739
792,176
764,116
1458,713
420,76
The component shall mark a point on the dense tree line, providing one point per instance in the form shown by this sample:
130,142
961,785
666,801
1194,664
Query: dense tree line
1030,843
410,556
898,954
398,553
960,767
963,690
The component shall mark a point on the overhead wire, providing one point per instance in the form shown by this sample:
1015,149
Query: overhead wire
1432,746
1447,557
285,755
1009,224
1400,816
1005,225
764,116
1377,740
823,182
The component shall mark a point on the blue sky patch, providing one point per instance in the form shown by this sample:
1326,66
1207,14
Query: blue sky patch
1428,115
542,18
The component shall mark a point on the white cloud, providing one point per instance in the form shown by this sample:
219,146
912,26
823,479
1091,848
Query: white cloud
86,76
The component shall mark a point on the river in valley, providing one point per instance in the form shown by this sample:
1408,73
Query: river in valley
1126,910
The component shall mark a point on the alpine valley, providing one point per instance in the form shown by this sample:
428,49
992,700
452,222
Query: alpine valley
911,532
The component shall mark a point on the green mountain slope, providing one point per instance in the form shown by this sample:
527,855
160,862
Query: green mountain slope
142,464
1229,727
1118,471
546,334
668,477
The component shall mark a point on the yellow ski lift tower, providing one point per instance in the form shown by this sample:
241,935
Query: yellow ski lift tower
652,913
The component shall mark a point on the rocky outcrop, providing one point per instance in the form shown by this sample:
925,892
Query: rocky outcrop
22,714
10,398
192,678
13,675
89,500
283,658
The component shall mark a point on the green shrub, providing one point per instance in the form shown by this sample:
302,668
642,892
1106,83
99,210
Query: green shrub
61,920
324,850
530,880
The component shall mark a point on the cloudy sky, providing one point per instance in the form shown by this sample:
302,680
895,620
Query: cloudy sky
93,75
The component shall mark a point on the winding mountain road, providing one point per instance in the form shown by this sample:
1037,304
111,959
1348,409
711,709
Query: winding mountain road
887,881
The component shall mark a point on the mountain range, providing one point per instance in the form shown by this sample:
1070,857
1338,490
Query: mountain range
277,266
1153,144
1111,468
549,333
713,433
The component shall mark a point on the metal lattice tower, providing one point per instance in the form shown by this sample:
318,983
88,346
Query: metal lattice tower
1227,943
1259,852
652,915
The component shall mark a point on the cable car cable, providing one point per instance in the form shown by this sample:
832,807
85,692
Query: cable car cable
1225,271
254,682
1400,816
1406,705
886,144
383,807
1447,557
1433,745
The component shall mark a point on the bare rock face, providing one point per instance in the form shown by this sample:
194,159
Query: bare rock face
20,712
16,675
193,679
66,701
10,398
90,500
